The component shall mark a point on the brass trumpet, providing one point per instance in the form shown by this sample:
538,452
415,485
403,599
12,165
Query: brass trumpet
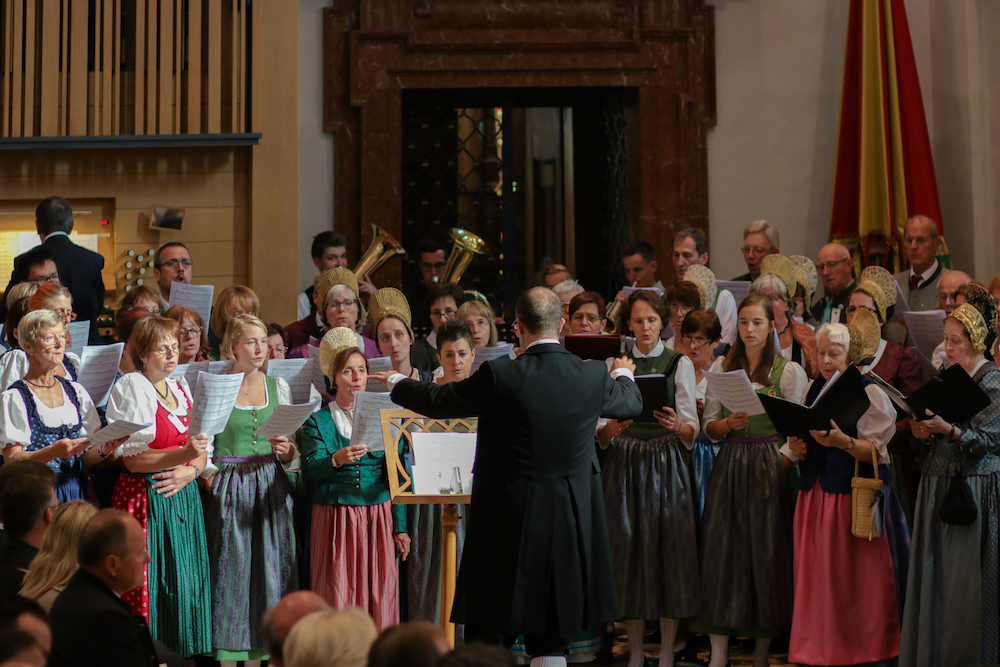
614,308
383,248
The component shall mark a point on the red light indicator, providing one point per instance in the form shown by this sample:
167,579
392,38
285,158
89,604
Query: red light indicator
104,222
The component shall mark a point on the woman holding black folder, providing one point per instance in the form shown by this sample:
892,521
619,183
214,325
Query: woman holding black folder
746,574
952,613
650,499
843,583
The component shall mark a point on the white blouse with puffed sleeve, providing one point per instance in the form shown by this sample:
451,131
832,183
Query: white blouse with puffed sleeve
134,399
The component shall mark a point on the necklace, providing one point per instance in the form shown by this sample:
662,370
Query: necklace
41,386
245,392
788,323
165,393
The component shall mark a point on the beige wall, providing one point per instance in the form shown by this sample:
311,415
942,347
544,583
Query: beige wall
779,73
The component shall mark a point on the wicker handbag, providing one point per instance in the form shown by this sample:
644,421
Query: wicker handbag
865,505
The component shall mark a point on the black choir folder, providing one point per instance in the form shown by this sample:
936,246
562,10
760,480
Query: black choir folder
845,401
952,394
654,396
594,346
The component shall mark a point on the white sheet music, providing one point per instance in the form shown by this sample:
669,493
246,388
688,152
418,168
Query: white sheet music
286,420
484,354
738,288
198,297
734,391
377,365
214,398
98,367
79,333
926,329
190,371
219,367
318,379
367,427
297,373
115,430
442,462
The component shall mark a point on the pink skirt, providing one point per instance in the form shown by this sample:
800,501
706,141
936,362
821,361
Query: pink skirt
845,593
353,560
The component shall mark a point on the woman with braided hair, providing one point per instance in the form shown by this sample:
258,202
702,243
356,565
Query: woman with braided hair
842,582
952,613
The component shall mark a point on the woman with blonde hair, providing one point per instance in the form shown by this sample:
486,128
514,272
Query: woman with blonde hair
331,638
481,321
55,562
251,532
232,301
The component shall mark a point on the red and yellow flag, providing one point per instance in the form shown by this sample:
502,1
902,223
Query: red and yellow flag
885,170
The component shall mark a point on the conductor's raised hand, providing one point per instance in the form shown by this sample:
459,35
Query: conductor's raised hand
382,376
623,362
798,447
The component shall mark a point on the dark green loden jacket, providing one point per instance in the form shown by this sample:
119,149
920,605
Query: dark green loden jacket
363,483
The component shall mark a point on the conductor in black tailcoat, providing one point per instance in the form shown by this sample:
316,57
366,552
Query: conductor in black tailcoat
536,559
79,268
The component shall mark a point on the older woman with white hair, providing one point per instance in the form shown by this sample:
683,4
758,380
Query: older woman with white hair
843,583
566,290
46,417
796,341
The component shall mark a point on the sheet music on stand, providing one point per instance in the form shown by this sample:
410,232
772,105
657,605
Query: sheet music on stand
442,462
198,297
98,368
926,329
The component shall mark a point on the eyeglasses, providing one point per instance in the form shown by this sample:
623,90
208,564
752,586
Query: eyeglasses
336,305
152,310
41,280
945,296
695,342
50,339
749,250
282,349
171,351
446,314
174,263
67,315
830,265
853,309
193,331
678,308
580,317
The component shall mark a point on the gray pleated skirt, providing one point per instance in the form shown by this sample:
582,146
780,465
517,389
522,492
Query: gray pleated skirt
952,612
649,500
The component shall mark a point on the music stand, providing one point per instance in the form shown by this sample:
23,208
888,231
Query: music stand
398,424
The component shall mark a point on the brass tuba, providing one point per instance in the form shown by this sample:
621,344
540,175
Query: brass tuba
611,314
466,246
383,248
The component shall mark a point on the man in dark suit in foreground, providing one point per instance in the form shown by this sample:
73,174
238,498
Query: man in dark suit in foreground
536,559
79,269
91,625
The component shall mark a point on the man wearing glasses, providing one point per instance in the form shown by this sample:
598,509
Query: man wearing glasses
77,268
172,262
760,238
836,270
919,283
